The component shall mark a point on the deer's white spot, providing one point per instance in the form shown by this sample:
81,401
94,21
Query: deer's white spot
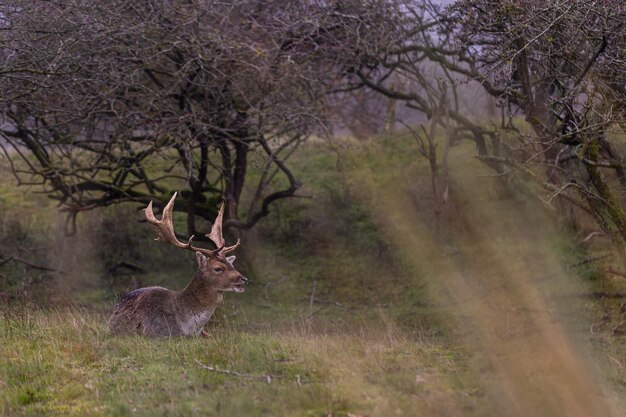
193,323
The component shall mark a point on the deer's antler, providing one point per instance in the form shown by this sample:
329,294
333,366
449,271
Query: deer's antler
165,230
216,233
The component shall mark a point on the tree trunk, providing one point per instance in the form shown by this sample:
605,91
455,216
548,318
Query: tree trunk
390,120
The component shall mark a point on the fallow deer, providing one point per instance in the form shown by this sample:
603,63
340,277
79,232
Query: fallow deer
159,312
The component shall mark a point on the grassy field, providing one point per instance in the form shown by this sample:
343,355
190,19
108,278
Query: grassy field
66,363
358,306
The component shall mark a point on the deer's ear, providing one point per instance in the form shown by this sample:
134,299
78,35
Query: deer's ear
231,259
202,260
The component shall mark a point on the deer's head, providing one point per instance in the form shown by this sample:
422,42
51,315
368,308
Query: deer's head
219,273
215,267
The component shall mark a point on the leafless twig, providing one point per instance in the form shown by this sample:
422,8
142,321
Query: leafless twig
29,264
320,301
590,260
263,377
614,271
267,286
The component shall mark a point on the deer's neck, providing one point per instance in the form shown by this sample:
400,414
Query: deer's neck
195,305
199,296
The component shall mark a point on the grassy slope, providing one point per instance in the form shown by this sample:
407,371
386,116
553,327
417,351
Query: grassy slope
383,337
66,363
498,270
344,353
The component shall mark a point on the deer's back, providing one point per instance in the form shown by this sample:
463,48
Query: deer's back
147,311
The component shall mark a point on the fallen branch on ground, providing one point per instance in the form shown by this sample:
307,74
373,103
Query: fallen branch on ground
320,301
268,378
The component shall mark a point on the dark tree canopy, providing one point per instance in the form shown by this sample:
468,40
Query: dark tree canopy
127,101
119,101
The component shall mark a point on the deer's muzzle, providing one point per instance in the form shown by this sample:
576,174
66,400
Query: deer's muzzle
240,286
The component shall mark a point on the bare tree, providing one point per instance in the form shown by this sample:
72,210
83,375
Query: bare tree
410,69
558,65
128,100
561,66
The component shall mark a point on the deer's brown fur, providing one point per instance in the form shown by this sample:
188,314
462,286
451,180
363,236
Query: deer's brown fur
159,312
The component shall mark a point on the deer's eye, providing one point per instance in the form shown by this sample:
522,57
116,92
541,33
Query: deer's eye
218,269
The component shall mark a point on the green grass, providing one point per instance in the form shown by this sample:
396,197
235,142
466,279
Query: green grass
65,362
348,354
407,320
